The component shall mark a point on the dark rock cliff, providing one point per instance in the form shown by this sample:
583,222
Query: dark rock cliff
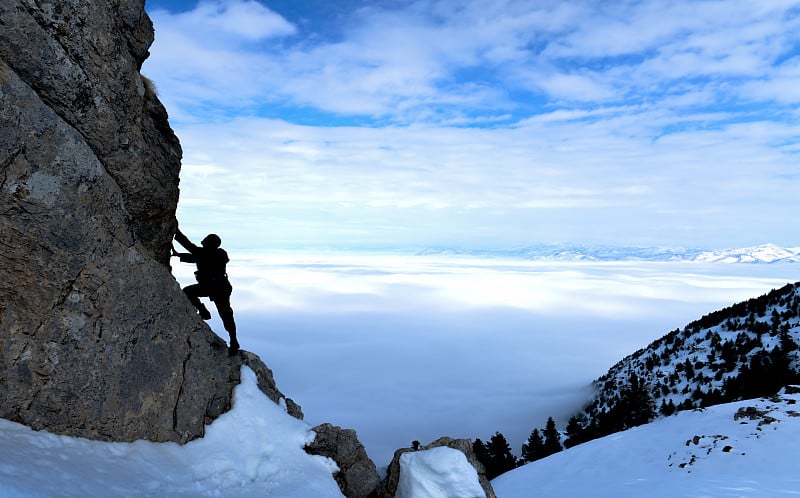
96,337
81,61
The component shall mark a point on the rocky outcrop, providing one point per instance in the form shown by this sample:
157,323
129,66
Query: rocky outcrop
389,485
266,383
96,337
357,476
81,60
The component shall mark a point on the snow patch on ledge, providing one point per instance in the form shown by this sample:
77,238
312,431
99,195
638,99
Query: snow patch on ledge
255,449
437,473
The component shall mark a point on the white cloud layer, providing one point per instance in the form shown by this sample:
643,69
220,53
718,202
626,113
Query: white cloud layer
409,345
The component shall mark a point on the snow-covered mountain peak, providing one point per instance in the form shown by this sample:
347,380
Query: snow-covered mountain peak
765,253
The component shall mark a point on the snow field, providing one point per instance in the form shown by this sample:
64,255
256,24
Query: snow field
255,449
702,453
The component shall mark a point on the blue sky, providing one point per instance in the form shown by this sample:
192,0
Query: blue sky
409,124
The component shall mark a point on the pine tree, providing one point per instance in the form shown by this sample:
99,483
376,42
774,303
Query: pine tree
667,409
637,403
501,459
533,449
576,432
481,452
552,438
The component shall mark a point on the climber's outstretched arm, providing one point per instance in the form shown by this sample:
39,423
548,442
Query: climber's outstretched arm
184,241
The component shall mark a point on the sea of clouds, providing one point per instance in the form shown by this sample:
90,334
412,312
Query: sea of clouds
407,347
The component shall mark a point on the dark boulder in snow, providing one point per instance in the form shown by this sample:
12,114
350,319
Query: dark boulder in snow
357,476
266,383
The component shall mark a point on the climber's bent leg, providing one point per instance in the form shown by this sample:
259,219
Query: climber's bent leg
194,293
223,303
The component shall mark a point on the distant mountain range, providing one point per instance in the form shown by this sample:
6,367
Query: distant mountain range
765,253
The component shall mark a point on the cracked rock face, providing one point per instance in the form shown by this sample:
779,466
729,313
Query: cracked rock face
96,337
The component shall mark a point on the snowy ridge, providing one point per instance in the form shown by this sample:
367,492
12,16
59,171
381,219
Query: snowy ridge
741,449
747,350
765,253
560,252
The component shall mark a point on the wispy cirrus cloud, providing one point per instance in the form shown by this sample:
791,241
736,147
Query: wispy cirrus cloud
414,55
418,123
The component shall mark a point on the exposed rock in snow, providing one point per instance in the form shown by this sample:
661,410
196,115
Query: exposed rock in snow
357,475
439,472
395,473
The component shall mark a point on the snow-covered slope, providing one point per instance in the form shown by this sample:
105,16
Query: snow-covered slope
741,449
746,350
745,448
253,450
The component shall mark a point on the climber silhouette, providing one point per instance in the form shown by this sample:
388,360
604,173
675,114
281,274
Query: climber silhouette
212,280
